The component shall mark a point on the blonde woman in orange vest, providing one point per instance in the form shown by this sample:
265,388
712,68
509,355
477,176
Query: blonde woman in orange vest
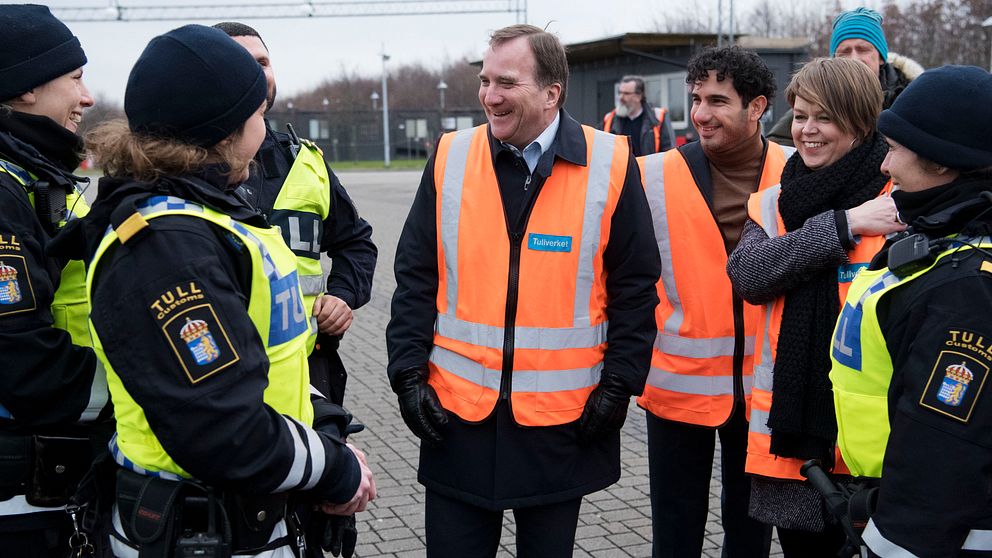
804,242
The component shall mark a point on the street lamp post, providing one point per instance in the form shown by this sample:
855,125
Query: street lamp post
441,87
985,25
385,110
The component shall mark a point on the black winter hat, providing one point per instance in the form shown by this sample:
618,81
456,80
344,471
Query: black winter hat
35,48
945,116
193,84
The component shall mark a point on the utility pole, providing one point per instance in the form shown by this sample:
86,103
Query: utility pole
385,109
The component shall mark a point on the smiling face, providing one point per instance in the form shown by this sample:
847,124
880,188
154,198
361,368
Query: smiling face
518,109
910,173
720,115
818,138
63,100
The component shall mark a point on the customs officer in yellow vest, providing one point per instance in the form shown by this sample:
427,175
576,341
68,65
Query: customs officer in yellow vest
52,389
912,349
297,191
199,320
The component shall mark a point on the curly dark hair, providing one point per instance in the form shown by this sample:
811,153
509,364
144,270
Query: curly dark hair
748,73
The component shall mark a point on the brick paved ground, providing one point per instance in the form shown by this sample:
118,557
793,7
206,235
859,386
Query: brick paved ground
614,523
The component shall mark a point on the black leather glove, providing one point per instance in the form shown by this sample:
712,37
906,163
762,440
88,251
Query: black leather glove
419,405
606,410
340,536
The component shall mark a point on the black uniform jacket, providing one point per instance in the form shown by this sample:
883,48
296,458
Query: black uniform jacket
495,463
937,474
210,419
346,239
45,380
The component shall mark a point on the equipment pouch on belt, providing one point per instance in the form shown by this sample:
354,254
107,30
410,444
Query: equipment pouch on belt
184,518
254,517
15,465
58,465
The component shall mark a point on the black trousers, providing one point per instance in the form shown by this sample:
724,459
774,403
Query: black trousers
47,540
456,529
680,461
803,544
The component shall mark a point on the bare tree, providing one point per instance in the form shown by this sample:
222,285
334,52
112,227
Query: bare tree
411,86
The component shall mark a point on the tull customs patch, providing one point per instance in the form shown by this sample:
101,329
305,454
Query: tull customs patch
959,375
195,334
16,291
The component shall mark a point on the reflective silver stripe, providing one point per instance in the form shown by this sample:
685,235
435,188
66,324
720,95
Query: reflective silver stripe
978,539
99,394
317,455
466,368
789,151
695,385
539,381
311,284
694,347
597,190
524,337
654,184
881,545
295,475
451,208
769,210
763,370
763,377
759,422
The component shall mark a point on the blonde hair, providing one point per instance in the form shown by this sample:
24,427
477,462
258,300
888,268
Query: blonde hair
120,152
845,89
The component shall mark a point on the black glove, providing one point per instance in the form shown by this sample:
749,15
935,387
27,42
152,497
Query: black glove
419,405
606,410
340,536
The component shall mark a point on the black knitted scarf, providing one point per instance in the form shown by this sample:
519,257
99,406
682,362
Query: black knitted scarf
802,414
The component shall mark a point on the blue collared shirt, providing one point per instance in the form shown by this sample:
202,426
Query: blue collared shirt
532,153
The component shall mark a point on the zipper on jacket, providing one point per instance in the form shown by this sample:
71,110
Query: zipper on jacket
509,320
513,288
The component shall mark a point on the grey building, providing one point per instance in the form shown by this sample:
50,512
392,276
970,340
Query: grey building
597,66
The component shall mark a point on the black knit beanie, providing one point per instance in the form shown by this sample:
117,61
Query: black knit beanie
35,48
193,84
945,116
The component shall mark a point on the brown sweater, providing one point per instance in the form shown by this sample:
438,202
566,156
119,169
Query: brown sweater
735,174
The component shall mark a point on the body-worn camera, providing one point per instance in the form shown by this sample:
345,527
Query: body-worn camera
202,545
910,254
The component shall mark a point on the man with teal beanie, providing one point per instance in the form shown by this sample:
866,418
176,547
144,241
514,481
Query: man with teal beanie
858,34
861,24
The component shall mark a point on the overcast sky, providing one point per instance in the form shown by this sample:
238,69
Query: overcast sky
307,51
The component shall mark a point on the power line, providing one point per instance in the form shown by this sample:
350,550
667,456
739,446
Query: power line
115,10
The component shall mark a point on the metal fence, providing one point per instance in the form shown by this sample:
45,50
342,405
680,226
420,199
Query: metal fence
357,135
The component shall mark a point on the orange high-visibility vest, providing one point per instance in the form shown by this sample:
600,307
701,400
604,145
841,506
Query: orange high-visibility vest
692,364
762,208
659,113
523,318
